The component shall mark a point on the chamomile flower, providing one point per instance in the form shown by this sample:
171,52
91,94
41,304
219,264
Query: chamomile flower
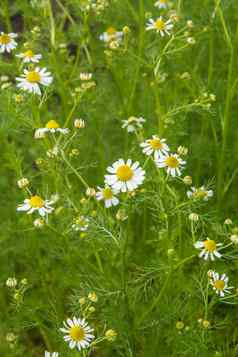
132,124
125,175
155,146
160,26
111,34
51,127
77,333
200,193
81,224
53,354
36,203
32,79
219,283
107,194
209,249
29,56
172,163
7,42
162,4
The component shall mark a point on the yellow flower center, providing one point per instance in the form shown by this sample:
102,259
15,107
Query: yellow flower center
160,25
5,39
33,77
52,124
29,54
77,333
124,173
219,284
36,202
111,31
210,245
200,194
107,193
156,144
163,1
172,162
132,119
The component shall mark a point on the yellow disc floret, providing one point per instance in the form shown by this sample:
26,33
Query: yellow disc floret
210,245
124,173
172,161
219,284
111,31
5,39
77,333
29,54
33,77
156,144
107,193
52,124
160,24
36,202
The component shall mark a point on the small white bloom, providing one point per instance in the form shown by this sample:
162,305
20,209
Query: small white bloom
77,333
155,146
107,194
208,249
36,203
172,163
11,282
29,56
161,4
160,26
81,223
125,176
23,182
234,238
219,283
85,76
7,42
200,193
53,354
31,80
133,123
111,34
51,127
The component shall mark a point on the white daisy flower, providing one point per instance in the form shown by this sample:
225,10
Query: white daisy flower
107,194
155,146
219,283
53,354
29,56
31,80
172,162
132,124
208,249
111,34
200,193
77,333
159,25
36,203
7,42
161,4
81,223
125,176
51,127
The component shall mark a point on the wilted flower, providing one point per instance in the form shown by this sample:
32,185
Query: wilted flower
11,282
23,182
111,34
29,56
79,123
133,123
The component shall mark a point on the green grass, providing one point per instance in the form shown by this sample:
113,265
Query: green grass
145,270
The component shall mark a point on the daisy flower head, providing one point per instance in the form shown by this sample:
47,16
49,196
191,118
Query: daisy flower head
200,193
31,80
51,127
160,26
81,224
219,283
53,354
77,333
162,4
155,146
36,203
172,163
111,34
29,56
107,194
132,124
7,42
125,175
209,249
